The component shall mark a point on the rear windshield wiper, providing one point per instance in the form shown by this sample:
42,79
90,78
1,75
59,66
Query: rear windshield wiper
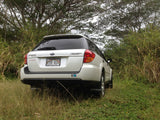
47,48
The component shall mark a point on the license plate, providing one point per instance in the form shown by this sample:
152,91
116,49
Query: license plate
53,61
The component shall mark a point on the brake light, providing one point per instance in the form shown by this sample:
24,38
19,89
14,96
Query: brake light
88,56
25,59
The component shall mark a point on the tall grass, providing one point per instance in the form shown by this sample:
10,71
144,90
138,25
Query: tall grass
12,50
4,51
137,56
19,103
127,100
11,57
147,45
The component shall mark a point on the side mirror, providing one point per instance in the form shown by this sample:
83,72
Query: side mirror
109,60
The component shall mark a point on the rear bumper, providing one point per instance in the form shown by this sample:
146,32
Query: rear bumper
66,82
88,73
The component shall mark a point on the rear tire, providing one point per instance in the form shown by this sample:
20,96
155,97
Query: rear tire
102,86
111,82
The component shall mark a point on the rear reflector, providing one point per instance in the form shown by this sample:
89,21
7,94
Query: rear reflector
25,59
88,56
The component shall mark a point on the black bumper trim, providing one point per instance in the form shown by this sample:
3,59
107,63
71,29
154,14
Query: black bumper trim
50,82
50,79
26,71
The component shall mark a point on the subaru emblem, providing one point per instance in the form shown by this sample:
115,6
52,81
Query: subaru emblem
52,54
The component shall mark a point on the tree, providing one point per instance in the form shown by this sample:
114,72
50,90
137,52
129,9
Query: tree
52,16
132,15
118,17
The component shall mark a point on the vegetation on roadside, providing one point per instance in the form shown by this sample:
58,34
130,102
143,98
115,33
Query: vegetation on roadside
137,55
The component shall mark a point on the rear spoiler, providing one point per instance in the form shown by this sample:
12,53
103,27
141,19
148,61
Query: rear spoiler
59,36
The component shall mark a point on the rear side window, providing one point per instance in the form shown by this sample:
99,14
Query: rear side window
61,44
93,47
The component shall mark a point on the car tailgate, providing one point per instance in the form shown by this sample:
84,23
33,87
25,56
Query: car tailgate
55,60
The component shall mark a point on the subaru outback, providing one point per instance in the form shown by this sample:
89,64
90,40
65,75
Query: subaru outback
67,58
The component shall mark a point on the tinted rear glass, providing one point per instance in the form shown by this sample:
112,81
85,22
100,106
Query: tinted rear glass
61,44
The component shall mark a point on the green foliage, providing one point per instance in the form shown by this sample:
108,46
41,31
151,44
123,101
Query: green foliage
11,59
5,54
137,55
127,15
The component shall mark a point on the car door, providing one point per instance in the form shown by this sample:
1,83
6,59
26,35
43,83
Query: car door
101,59
105,64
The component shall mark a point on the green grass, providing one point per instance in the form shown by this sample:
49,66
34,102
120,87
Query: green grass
127,100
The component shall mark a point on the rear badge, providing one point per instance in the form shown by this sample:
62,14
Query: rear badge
52,54
73,75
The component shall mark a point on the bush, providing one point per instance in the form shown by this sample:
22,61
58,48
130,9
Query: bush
138,55
11,58
12,51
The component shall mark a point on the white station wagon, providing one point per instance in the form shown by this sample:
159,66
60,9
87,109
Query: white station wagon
67,58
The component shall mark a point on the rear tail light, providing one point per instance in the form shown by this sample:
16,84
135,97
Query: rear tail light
88,56
25,59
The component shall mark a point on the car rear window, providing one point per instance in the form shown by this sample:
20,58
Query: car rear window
61,44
